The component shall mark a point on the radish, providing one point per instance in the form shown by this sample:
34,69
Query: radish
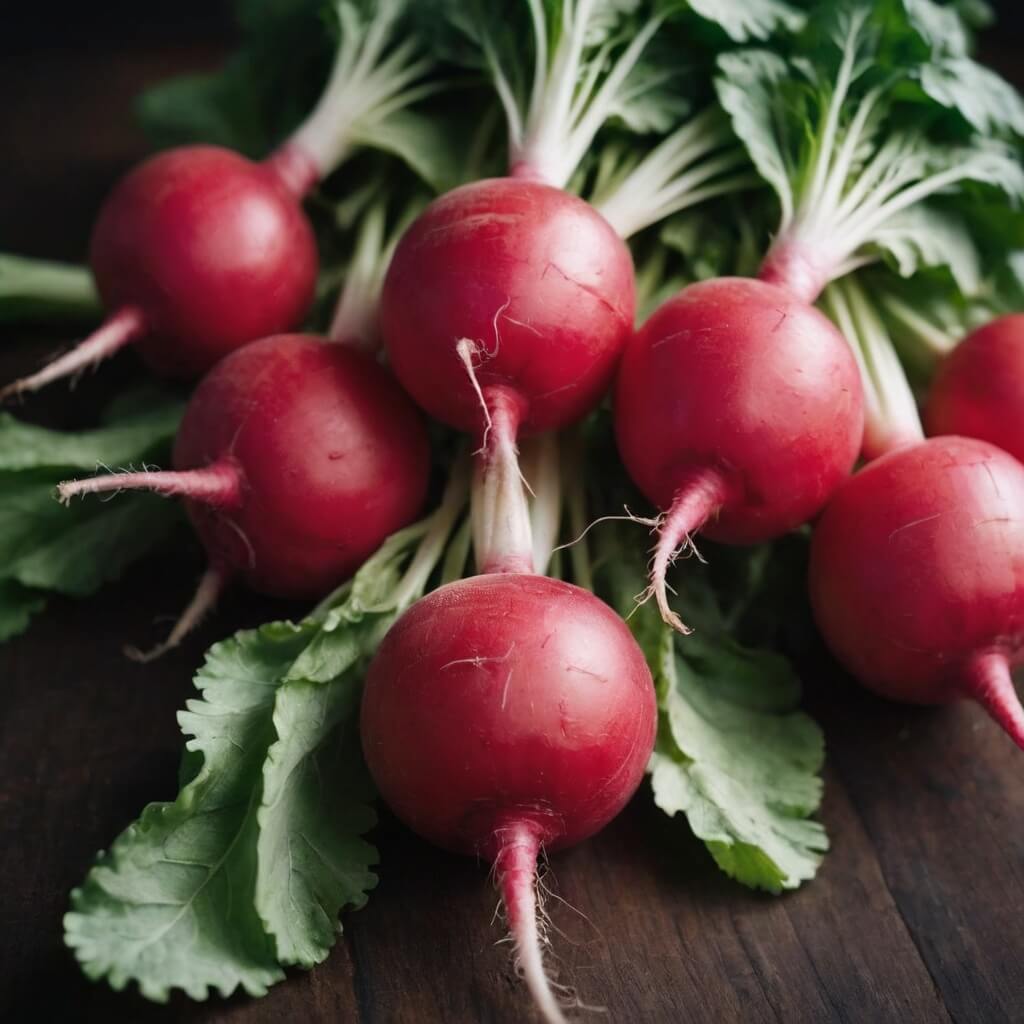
978,390
738,409
199,250
917,576
511,290
509,713
505,715
296,459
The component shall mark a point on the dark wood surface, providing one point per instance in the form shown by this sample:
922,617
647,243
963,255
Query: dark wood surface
915,917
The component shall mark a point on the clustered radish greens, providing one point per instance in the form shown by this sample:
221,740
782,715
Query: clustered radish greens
568,273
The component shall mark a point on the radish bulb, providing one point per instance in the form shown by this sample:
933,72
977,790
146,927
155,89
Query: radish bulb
917,576
978,390
199,250
917,564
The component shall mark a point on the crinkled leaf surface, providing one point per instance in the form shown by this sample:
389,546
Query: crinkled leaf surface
248,868
734,753
170,905
739,760
746,20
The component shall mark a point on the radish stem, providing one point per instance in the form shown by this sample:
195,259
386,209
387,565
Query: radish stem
516,870
211,586
122,327
363,88
218,484
702,494
988,681
502,534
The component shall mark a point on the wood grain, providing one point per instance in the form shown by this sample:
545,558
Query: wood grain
914,918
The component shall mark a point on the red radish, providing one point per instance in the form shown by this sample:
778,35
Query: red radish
523,283
738,411
504,715
199,250
512,284
978,390
917,575
296,458
508,713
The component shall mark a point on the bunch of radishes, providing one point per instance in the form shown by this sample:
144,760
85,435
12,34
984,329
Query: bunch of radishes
509,713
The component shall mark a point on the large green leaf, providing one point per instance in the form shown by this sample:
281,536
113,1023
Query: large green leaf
739,760
249,867
734,754
171,904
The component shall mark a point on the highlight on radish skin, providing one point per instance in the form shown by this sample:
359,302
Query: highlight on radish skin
738,410
917,576
505,714
533,277
296,459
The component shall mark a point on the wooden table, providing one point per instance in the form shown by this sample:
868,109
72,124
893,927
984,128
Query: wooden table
916,915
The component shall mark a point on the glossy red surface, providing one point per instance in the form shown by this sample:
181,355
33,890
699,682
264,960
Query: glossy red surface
978,390
213,249
737,375
534,277
506,698
333,457
918,562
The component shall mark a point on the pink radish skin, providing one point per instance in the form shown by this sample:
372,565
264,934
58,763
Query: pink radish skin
505,714
197,251
738,411
536,283
296,458
917,576
212,249
978,390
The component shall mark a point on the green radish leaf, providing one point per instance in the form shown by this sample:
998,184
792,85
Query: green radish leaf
925,236
122,441
248,868
747,87
852,143
262,91
74,550
734,753
315,806
941,26
42,290
170,905
17,606
428,145
739,760
218,108
986,101
746,20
